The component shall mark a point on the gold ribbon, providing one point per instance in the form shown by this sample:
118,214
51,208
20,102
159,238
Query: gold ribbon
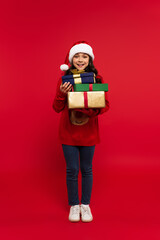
77,78
75,71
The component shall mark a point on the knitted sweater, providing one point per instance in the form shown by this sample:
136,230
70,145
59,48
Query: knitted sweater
70,134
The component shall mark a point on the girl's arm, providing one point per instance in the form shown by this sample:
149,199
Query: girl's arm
60,99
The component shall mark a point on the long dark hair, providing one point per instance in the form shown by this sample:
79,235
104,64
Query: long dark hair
89,68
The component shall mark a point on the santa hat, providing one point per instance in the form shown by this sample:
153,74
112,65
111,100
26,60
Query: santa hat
81,46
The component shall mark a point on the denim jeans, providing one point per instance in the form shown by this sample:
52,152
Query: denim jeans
72,155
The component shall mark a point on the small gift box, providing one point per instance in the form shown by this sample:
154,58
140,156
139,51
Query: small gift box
79,78
86,99
91,87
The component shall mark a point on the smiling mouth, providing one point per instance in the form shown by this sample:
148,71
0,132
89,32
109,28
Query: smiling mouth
80,65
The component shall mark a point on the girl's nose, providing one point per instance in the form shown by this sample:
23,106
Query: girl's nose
80,59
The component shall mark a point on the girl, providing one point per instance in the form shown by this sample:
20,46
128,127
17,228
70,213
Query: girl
78,132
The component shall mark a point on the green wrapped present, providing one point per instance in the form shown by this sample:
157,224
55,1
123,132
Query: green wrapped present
90,87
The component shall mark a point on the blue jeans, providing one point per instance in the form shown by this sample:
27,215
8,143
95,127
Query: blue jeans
72,154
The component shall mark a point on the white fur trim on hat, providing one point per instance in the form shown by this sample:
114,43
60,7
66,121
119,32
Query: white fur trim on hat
82,47
64,67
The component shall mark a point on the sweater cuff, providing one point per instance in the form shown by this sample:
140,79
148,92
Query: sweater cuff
61,94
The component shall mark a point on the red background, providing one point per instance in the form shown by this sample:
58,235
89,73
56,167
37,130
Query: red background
35,38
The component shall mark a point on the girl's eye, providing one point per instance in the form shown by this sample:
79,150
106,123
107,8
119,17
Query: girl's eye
85,56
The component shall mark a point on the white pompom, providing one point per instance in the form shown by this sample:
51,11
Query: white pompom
64,67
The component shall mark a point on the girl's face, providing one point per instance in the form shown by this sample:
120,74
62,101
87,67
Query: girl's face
81,60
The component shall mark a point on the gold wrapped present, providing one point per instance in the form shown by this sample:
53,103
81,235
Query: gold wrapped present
86,99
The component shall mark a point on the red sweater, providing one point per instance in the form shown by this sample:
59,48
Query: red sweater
70,134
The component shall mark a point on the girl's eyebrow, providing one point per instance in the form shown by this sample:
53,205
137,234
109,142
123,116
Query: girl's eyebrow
84,54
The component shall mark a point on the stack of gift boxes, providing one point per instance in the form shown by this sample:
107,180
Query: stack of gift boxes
86,93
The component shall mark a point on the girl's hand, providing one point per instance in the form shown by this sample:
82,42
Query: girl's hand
66,87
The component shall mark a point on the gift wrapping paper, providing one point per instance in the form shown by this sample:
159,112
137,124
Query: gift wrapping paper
91,87
79,78
86,99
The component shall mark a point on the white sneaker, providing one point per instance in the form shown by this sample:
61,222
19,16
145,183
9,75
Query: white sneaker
86,214
74,215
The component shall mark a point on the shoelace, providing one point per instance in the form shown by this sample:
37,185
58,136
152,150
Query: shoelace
86,210
75,210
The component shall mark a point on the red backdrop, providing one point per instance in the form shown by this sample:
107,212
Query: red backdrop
35,38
